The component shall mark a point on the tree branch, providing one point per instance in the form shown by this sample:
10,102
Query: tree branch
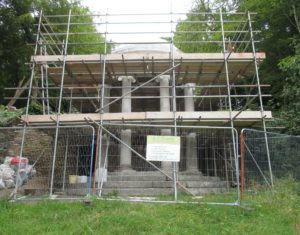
296,17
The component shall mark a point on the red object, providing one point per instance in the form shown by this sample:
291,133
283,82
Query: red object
15,160
242,143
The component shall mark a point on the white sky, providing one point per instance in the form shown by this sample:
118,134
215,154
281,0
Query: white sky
138,7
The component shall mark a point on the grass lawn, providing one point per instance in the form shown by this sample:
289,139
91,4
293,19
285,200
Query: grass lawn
261,213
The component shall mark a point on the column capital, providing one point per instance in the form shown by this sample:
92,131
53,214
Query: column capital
163,78
189,85
128,78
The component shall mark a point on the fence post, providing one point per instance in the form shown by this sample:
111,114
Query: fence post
242,171
96,160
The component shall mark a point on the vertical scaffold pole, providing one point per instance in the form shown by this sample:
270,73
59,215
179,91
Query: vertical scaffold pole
65,161
96,159
234,137
91,164
42,83
260,100
242,144
59,104
28,103
46,82
173,100
100,133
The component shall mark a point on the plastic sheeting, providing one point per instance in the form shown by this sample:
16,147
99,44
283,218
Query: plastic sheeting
8,172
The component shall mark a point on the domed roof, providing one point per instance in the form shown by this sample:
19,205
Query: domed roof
132,48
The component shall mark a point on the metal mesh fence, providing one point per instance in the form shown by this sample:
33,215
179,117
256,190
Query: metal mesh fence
261,170
31,174
117,165
207,163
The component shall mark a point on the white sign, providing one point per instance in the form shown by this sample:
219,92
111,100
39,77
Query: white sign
101,175
163,148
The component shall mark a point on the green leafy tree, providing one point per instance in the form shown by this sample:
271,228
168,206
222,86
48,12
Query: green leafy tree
193,33
201,30
279,23
79,33
290,110
17,30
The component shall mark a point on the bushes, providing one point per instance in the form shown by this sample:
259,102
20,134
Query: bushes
9,116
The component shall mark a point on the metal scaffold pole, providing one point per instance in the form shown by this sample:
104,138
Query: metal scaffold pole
175,166
260,100
59,105
101,111
234,137
14,194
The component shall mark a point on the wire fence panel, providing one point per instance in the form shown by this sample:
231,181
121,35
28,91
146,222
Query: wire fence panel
207,164
283,161
117,162
31,174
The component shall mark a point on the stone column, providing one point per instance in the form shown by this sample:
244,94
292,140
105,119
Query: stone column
104,137
189,100
106,100
164,91
125,155
191,140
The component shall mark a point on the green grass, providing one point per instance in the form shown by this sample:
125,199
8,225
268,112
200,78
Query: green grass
261,213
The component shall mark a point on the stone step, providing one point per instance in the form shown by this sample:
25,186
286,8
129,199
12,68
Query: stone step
142,191
160,178
157,191
204,184
139,184
198,178
163,184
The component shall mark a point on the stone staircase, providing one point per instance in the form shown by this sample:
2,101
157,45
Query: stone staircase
134,183
155,183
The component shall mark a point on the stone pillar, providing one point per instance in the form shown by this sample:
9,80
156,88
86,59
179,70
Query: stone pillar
106,100
191,140
189,104
126,87
103,150
164,91
104,140
125,155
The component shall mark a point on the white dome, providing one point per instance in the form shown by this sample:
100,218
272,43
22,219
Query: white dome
131,48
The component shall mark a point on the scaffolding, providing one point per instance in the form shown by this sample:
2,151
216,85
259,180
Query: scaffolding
133,81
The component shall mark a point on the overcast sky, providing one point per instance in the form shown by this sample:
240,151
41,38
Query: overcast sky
140,7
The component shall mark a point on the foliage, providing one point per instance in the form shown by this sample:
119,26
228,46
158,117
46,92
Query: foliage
35,108
204,30
290,111
17,31
9,117
200,31
62,7
278,21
